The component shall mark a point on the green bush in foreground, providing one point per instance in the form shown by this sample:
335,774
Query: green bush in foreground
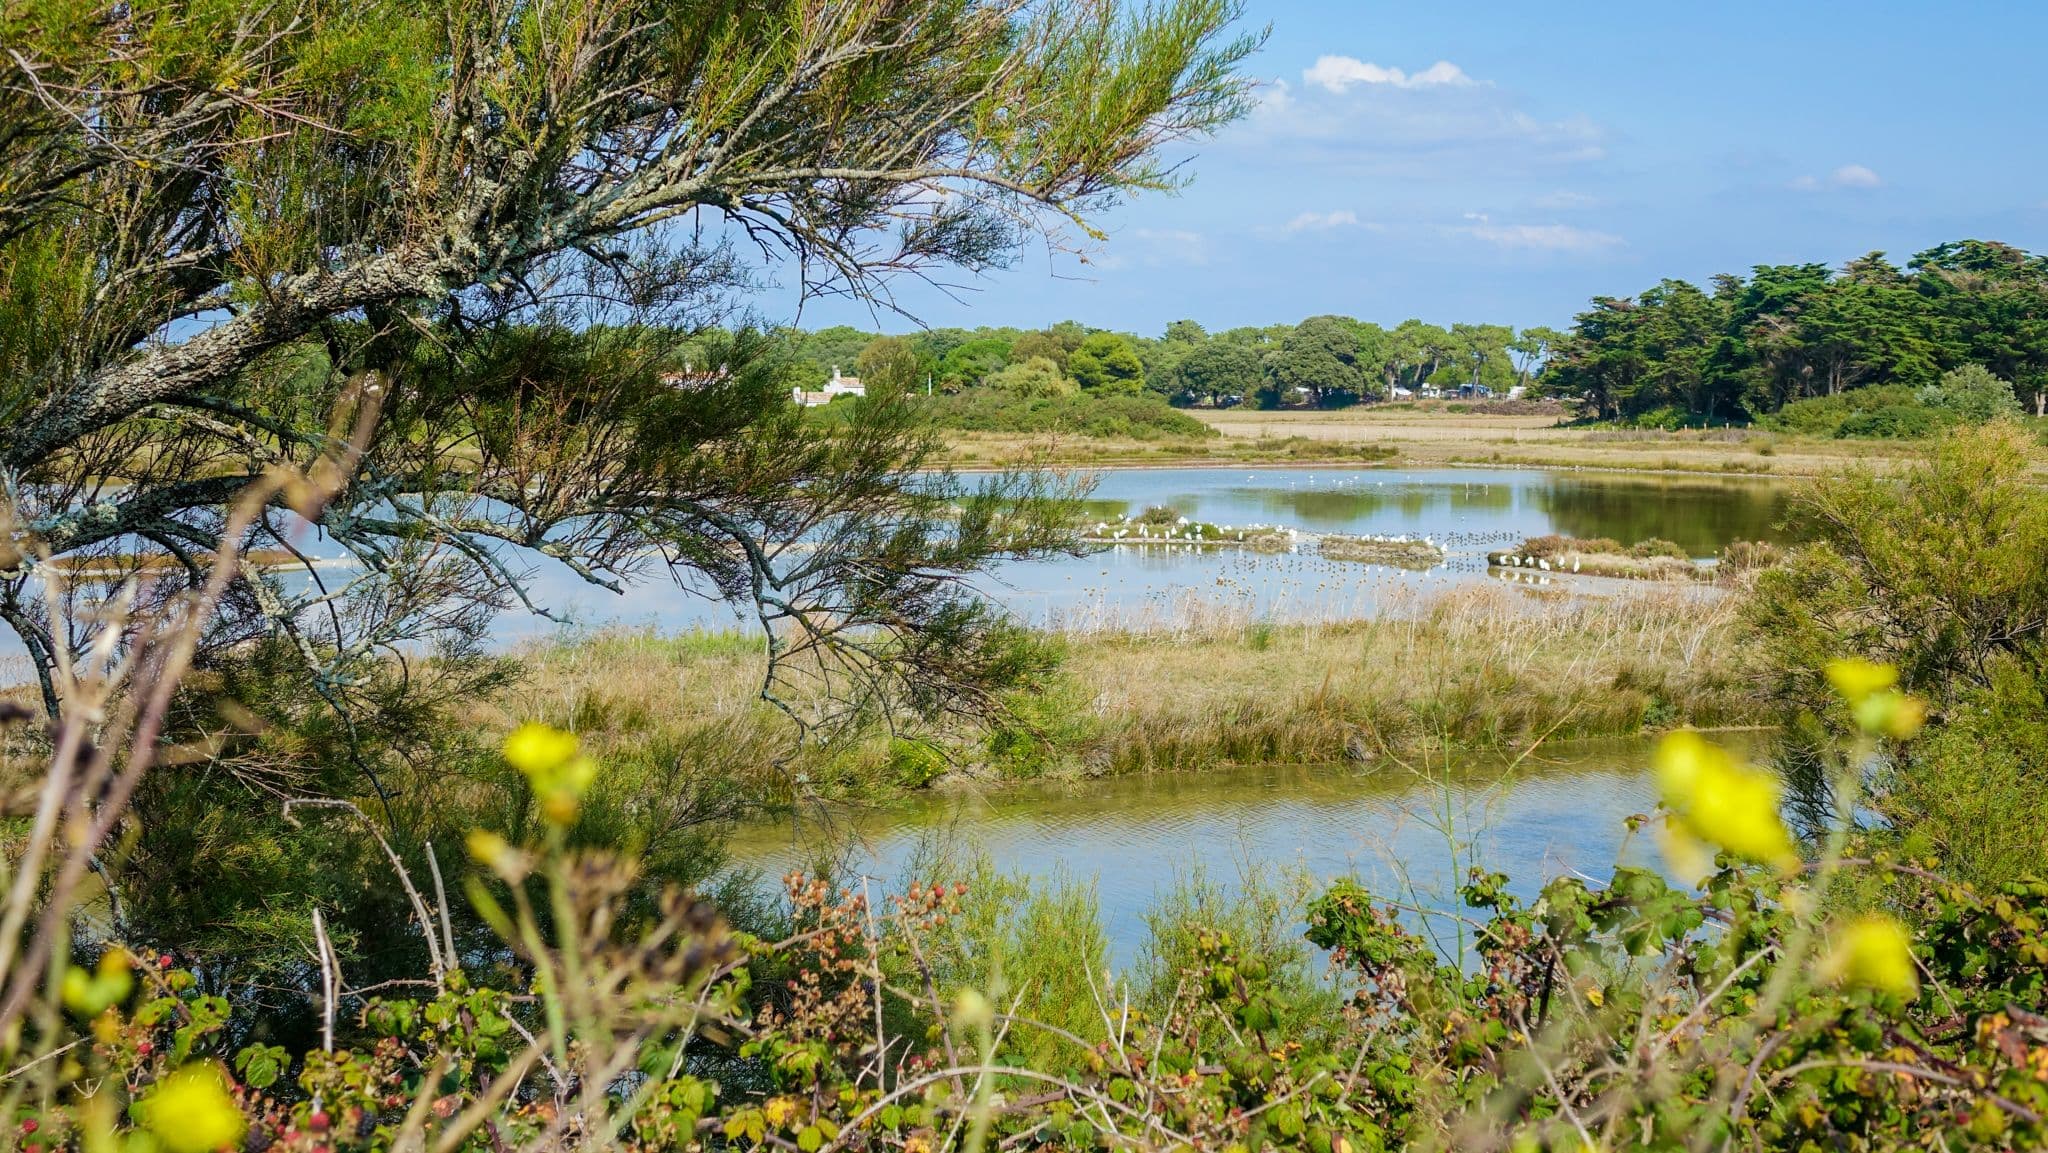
1753,1011
1938,572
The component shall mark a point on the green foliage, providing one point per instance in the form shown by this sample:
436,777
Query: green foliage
1892,422
1973,395
1218,369
1046,345
1938,573
1787,336
1036,378
1823,416
1745,1009
1038,944
971,363
1106,364
890,365
1319,359
1089,414
1966,395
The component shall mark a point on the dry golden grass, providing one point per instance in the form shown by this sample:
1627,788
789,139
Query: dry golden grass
1434,435
1482,667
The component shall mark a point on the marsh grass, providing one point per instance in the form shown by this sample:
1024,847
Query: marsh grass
1478,669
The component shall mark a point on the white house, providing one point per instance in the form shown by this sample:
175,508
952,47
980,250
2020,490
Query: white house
835,388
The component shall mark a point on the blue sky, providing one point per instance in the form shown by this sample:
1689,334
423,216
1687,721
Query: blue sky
1504,162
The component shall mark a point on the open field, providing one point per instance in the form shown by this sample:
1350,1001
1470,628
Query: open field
1435,435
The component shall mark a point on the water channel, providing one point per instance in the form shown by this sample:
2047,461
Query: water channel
1409,832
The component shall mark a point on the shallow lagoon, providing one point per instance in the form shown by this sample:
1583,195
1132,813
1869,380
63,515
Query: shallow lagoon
1469,510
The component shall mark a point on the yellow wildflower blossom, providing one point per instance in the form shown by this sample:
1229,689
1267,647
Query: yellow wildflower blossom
90,995
1873,952
1716,800
559,776
495,853
971,1010
191,1111
1856,678
536,749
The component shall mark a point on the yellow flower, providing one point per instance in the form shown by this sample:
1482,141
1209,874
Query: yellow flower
1873,952
1856,678
561,790
559,777
1716,800
191,1111
537,749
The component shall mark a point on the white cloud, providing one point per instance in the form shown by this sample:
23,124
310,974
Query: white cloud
1847,176
1435,125
1539,237
1565,200
1322,221
1340,74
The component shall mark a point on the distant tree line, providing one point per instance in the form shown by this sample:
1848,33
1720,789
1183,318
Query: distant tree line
1747,347
1327,361
1740,349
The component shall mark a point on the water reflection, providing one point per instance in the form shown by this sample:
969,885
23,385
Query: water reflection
1468,510
1401,831
1701,516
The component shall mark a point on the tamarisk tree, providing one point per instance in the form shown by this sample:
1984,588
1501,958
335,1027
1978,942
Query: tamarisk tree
529,233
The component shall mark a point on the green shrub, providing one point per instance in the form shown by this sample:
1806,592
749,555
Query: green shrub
1892,422
914,764
1972,394
1657,546
1940,574
1823,415
1142,417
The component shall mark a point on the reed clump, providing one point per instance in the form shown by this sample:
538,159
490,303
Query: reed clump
1479,668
